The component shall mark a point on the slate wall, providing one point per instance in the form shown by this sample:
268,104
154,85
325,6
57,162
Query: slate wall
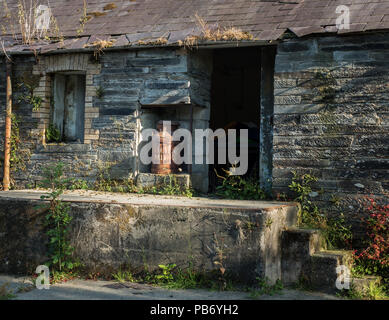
331,117
117,84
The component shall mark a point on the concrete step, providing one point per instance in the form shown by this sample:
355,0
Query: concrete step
306,261
298,245
323,266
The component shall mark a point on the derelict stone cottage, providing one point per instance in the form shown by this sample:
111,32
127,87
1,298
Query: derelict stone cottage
314,98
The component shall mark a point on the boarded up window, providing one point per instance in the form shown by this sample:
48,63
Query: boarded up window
68,111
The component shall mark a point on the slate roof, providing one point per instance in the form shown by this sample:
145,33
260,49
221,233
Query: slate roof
128,21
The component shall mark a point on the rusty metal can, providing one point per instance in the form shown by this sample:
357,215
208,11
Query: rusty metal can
166,164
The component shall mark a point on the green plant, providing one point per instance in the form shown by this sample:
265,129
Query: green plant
124,276
219,261
35,101
166,275
373,291
236,187
53,134
5,292
303,283
335,231
29,83
186,279
78,184
265,288
335,200
172,277
18,155
268,223
325,85
100,92
58,219
15,159
376,292
62,276
83,19
302,187
170,187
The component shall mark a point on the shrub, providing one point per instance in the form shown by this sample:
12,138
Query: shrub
335,231
53,134
374,258
236,187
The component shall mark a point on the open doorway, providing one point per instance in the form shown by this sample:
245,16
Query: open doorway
235,104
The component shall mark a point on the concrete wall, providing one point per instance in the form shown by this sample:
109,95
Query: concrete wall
107,236
331,116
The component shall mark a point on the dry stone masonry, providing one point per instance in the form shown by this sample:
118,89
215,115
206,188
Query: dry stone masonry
331,116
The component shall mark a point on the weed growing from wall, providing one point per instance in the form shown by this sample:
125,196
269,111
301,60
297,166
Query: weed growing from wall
15,159
18,156
325,83
29,83
219,262
52,134
57,220
335,231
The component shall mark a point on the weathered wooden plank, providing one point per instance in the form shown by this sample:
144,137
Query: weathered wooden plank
59,106
74,107
80,106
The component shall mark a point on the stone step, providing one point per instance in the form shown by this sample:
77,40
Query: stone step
146,180
323,266
298,245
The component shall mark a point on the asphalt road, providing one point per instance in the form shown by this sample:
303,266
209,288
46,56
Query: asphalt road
109,290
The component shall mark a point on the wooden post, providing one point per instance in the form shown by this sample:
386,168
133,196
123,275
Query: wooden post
8,122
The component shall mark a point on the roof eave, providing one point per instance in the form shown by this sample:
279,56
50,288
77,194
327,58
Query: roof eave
201,45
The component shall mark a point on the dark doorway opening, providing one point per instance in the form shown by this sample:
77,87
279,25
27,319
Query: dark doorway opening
236,90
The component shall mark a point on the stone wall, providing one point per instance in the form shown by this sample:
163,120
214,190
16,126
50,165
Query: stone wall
130,79
195,82
331,116
330,111
118,84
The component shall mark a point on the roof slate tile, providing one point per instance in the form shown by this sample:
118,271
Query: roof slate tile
146,19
